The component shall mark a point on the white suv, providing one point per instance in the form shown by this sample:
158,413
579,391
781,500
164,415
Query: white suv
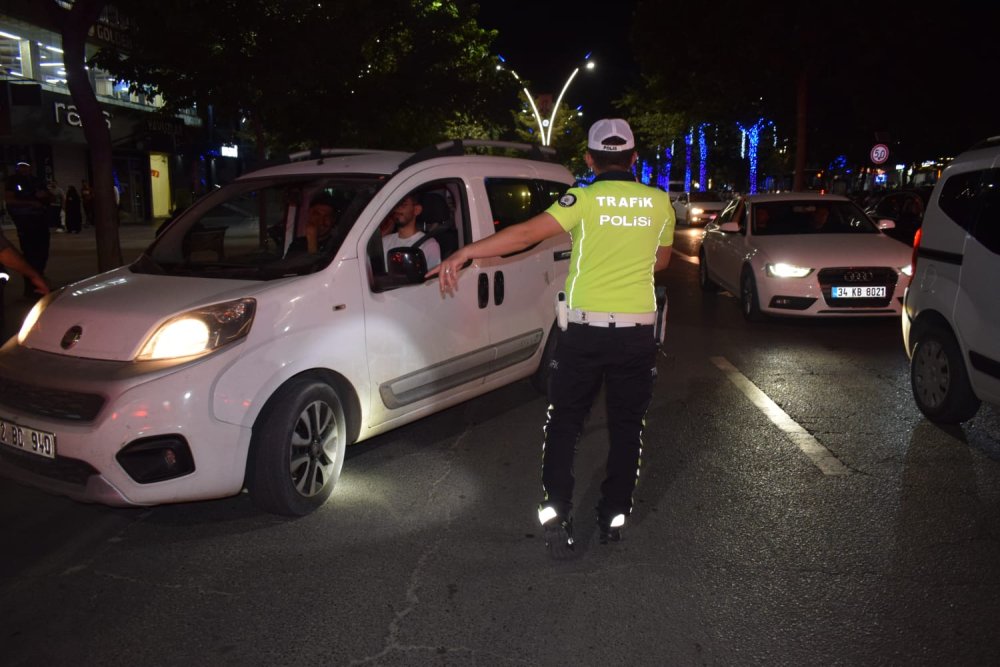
221,360
951,311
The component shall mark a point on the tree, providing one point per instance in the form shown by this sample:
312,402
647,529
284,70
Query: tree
373,73
74,23
783,61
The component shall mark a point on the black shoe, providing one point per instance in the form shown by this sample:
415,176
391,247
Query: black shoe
610,527
559,538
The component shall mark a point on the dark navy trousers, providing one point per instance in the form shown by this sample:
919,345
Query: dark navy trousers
623,360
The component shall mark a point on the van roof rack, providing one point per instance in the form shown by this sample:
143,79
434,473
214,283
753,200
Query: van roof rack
459,146
320,153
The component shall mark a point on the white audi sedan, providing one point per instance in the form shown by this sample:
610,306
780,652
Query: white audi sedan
803,254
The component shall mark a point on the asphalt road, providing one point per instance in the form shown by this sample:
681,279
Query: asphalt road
794,508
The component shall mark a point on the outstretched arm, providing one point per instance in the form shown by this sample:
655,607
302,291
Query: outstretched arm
504,242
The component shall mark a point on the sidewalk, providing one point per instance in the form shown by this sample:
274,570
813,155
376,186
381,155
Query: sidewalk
72,257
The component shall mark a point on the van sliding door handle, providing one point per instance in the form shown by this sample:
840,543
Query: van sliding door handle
484,290
498,288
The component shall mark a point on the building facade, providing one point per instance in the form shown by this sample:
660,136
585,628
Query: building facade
157,168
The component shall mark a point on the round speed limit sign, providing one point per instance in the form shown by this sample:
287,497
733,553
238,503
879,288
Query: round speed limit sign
880,153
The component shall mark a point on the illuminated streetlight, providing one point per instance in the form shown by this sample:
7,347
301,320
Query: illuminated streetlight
545,125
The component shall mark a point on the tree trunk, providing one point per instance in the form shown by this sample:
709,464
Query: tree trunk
801,130
74,25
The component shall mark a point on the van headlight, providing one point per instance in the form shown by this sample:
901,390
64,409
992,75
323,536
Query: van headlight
32,317
782,270
200,331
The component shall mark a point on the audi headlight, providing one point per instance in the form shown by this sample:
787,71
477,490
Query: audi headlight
782,270
200,331
907,270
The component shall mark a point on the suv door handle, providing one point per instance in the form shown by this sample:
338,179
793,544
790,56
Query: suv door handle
498,288
484,290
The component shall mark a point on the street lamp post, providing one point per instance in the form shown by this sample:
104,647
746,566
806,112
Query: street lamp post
545,125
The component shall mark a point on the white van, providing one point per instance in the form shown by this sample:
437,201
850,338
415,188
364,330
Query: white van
220,361
951,311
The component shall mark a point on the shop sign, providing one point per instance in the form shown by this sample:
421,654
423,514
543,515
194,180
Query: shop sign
66,114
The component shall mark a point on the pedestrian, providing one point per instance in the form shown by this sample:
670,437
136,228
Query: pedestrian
56,196
73,211
87,198
27,201
622,233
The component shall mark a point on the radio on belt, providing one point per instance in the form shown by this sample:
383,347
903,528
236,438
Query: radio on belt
562,311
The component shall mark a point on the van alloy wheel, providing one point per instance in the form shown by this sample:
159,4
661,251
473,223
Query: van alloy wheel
298,447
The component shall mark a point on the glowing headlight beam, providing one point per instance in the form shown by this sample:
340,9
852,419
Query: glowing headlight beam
783,270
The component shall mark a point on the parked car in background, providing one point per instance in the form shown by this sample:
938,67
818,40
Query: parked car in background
698,208
675,189
803,254
906,210
237,353
951,313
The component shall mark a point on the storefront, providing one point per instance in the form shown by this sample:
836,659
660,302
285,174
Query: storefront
39,123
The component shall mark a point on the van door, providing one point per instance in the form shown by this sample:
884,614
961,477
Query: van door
423,347
520,288
976,314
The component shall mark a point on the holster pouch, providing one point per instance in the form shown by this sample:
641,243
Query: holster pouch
562,311
660,330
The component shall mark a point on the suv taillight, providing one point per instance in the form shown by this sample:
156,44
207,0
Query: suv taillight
916,246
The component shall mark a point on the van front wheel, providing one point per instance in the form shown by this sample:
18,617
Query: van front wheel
298,448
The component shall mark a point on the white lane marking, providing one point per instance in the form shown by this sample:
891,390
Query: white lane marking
821,457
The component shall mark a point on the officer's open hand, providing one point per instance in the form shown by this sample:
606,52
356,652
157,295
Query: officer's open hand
447,272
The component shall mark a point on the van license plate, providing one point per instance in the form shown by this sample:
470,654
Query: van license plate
32,441
872,292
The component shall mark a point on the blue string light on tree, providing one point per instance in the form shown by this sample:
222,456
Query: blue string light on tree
749,143
688,142
702,158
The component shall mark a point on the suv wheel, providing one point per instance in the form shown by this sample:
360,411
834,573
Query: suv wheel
939,378
298,448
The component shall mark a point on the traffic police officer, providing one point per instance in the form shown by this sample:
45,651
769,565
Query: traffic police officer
622,234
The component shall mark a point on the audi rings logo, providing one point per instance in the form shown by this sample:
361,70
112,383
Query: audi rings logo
859,276
71,337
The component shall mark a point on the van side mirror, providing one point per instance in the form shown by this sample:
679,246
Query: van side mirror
406,265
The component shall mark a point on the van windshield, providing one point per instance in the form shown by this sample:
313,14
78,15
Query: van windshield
261,229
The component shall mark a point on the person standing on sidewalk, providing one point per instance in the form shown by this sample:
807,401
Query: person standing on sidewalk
73,211
87,198
622,234
27,201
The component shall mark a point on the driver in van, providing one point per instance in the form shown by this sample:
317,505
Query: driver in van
404,216
319,227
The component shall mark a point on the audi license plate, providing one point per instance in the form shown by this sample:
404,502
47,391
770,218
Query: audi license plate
870,292
32,441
